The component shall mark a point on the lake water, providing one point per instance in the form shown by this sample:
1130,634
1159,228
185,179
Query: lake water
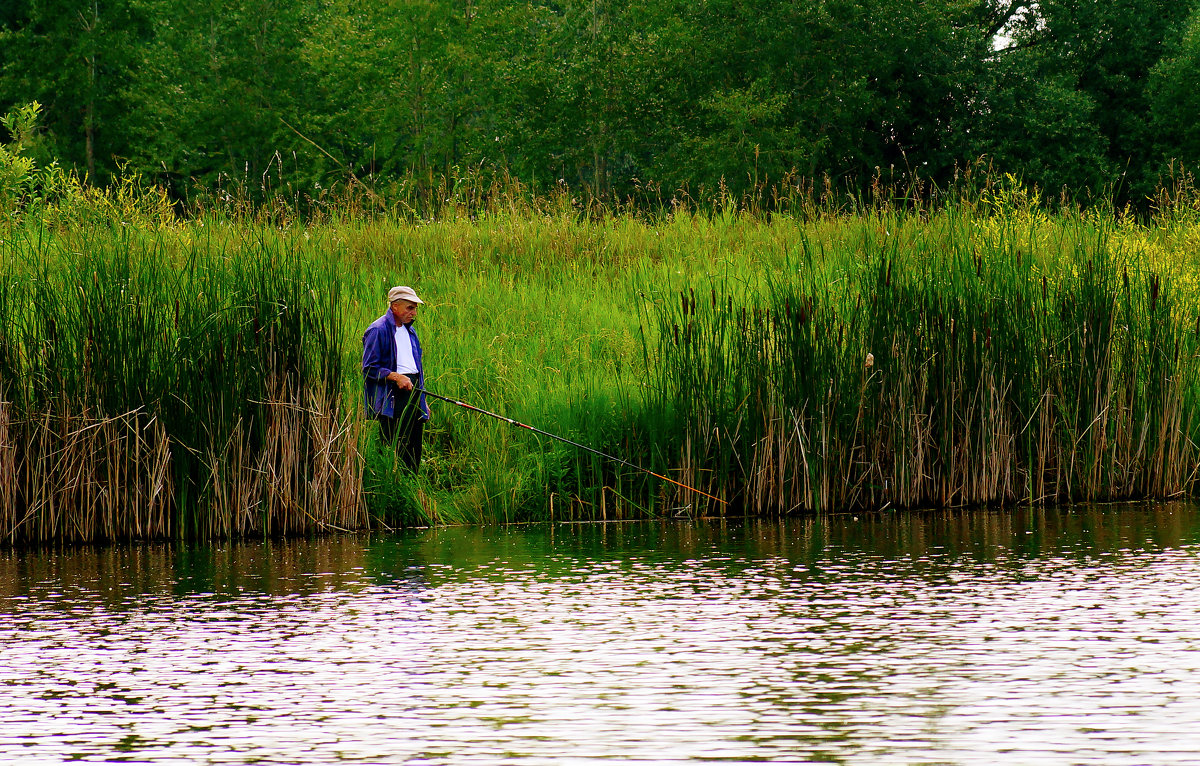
1027,637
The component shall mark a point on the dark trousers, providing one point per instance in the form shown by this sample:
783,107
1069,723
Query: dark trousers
406,429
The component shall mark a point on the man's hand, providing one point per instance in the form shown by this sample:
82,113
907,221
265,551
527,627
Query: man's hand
402,381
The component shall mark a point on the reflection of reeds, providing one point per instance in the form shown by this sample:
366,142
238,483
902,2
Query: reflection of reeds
988,383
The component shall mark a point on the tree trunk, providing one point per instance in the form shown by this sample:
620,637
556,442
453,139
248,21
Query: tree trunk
89,113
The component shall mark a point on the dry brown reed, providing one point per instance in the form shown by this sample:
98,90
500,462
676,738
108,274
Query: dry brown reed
902,460
306,477
79,476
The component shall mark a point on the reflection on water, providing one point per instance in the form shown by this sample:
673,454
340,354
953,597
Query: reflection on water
1030,637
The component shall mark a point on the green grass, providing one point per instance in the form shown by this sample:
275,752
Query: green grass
726,350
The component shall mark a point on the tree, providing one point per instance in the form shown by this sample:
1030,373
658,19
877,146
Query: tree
1104,53
79,60
1044,131
1175,99
219,85
404,83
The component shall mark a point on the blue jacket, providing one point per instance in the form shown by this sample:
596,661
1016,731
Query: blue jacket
379,360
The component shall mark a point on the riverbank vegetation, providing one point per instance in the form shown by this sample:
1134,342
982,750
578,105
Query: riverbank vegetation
166,376
157,382
955,360
802,257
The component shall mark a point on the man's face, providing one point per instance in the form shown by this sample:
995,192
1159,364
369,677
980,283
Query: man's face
404,311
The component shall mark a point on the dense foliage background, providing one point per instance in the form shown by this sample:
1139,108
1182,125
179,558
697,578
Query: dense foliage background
642,98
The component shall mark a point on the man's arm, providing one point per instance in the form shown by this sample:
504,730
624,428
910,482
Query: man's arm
374,364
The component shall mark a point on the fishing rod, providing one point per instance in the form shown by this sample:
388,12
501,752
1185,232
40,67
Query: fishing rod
613,458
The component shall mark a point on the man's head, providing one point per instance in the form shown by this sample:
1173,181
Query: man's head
404,303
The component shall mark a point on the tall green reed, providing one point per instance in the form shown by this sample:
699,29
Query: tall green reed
221,356
560,313
941,372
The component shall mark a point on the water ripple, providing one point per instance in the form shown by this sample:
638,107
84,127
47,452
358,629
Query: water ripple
935,640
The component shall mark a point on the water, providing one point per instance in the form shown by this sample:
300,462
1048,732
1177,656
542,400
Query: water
1056,637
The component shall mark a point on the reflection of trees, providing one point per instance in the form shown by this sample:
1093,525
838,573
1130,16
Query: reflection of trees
996,535
116,573
827,548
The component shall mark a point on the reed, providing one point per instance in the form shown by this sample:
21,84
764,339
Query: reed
956,369
163,384
206,370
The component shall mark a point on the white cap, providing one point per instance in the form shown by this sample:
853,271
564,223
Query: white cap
403,293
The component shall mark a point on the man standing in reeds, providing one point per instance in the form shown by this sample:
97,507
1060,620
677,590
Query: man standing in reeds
392,370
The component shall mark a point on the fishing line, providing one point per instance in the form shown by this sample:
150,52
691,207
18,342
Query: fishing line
565,440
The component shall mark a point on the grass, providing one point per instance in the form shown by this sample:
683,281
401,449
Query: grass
199,378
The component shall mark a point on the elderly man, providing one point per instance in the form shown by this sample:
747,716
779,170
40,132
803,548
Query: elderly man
392,369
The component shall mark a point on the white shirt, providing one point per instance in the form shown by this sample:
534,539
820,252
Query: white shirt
405,363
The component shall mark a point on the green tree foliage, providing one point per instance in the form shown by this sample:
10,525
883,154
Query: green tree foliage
79,60
17,169
1043,130
221,81
1081,71
618,97
1175,113
397,85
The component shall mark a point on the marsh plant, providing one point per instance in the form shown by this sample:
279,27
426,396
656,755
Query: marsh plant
153,385
969,369
167,376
